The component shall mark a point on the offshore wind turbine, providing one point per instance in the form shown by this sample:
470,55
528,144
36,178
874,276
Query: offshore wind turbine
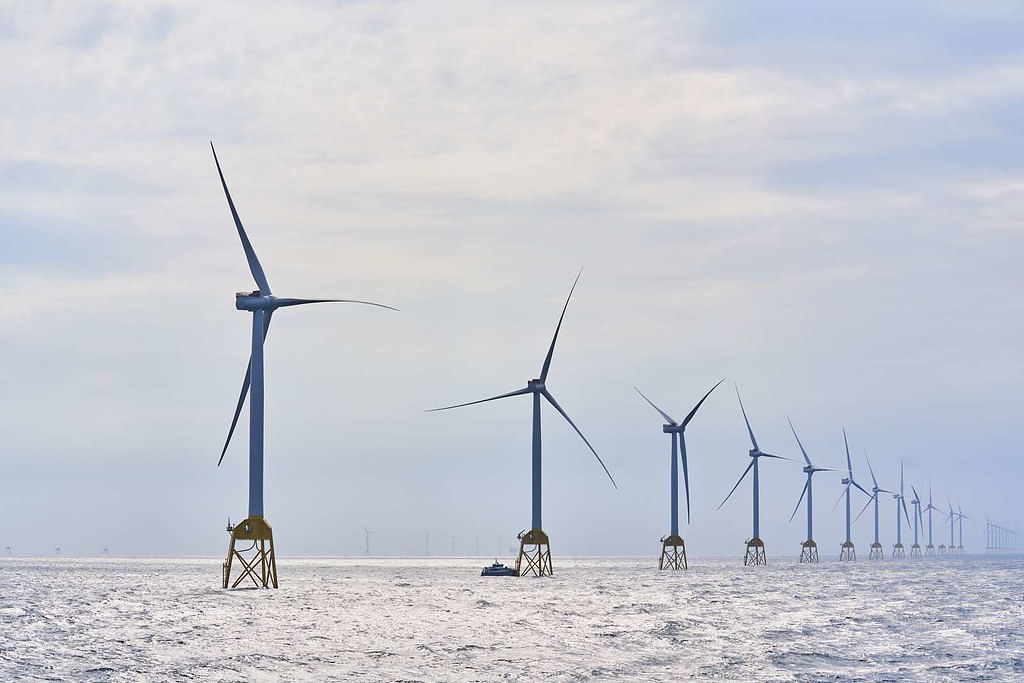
368,534
960,517
930,549
847,552
534,545
915,550
808,549
876,547
897,550
755,554
673,549
951,519
258,561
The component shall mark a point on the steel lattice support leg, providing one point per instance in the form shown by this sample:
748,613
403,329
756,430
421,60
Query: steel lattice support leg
847,553
755,554
897,551
673,553
876,552
915,550
256,561
534,554
808,552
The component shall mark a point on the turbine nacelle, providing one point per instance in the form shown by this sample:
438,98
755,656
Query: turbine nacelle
535,385
253,301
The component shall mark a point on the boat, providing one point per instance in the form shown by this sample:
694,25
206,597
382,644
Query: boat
498,569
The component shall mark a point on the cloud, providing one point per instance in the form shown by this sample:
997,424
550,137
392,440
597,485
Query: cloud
822,205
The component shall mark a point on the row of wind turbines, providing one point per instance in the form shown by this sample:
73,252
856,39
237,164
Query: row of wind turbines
755,549
251,546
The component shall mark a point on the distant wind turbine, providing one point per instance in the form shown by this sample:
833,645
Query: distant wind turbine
876,547
915,550
260,565
673,549
897,550
808,549
755,554
368,534
930,549
960,517
534,545
847,552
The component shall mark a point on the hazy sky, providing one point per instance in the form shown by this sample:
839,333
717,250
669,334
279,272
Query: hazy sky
824,205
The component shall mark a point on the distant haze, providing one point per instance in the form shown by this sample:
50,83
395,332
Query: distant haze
824,205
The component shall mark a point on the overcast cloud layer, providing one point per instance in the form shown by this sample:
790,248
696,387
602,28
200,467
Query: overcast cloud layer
822,205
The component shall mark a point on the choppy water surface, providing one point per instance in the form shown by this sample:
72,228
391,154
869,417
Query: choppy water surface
438,620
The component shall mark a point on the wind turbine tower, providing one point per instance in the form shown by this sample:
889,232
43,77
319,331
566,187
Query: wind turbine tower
755,546
368,533
534,545
876,548
897,550
256,556
673,549
930,549
915,550
808,549
847,552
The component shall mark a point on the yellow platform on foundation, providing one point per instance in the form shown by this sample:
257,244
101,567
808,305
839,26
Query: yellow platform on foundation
534,554
673,553
252,545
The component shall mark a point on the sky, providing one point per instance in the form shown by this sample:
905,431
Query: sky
823,205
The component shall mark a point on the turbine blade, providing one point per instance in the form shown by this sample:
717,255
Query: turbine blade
660,411
551,349
483,400
843,493
797,508
283,303
866,492
916,497
849,463
686,474
864,508
871,470
250,253
245,391
749,430
693,412
798,441
777,457
554,404
905,513
738,482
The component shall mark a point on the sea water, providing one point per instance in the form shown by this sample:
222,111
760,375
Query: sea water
110,619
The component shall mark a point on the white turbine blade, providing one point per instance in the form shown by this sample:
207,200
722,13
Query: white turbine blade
798,440
750,431
520,392
250,254
738,482
554,404
800,500
660,411
686,420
